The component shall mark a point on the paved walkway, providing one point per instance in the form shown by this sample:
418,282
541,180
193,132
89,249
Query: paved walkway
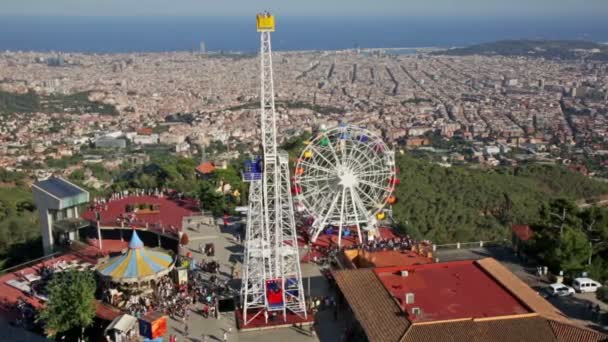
227,249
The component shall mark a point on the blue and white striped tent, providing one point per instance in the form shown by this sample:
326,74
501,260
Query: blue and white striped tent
138,264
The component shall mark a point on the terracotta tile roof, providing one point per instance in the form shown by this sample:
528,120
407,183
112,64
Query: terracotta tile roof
528,329
372,305
521,290
144,131
463,330
570,333
205,168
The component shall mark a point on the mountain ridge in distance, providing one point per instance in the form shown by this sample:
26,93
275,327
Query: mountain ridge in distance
549,49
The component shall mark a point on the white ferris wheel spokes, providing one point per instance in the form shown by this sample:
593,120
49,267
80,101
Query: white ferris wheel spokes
345,178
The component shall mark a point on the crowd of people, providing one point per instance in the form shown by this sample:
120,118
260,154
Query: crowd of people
398,243
395,243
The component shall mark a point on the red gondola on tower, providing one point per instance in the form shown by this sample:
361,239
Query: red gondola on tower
274,292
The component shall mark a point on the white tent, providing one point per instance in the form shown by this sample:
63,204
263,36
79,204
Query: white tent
122,327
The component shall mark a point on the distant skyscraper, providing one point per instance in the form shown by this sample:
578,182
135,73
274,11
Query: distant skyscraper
203,48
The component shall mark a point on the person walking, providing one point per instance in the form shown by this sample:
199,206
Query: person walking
226,220
225,337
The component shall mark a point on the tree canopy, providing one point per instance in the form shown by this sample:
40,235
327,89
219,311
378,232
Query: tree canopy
466,204
572,240
19,232
71,305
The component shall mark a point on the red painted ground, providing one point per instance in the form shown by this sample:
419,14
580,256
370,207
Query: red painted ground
91,251
449,290
259,321
169,216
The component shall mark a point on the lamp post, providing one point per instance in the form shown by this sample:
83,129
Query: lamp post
308,251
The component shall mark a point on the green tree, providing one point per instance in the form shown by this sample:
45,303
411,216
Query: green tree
559,214
77,175
71,306
145,181
572,254
210,199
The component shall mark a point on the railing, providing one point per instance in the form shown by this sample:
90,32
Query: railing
30,263
252,176
470,245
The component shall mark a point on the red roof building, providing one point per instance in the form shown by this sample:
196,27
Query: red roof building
205,169
448,290
522,232
475,301
145,131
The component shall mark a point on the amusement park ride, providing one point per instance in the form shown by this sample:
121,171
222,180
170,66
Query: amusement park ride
272,280
344,181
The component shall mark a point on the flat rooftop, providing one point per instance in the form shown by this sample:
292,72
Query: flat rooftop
59,187
168,215
362,258
450,290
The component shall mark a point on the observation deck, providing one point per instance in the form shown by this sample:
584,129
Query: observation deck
265,22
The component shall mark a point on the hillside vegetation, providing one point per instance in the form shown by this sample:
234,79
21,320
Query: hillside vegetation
551,49
32,102
463,204
19,233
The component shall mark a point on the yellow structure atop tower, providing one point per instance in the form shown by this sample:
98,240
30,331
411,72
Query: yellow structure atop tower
265,22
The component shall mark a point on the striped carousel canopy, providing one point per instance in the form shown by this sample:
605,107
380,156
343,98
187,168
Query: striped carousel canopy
137,264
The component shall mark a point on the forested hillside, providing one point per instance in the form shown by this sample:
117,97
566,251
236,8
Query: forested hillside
18,226
463,204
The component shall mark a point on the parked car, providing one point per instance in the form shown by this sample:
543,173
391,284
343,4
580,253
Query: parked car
585,285
559,290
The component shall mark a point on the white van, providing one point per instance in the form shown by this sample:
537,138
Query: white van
585,285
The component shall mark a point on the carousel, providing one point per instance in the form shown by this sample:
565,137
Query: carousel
137,269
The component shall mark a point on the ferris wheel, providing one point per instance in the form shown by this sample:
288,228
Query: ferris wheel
344,179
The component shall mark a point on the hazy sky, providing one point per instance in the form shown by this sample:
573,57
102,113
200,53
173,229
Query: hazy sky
307,7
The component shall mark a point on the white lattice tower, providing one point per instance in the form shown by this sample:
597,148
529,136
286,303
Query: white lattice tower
271,250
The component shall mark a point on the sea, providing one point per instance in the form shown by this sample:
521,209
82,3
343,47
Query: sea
238,34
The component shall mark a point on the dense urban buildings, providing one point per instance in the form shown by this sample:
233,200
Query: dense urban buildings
189,100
